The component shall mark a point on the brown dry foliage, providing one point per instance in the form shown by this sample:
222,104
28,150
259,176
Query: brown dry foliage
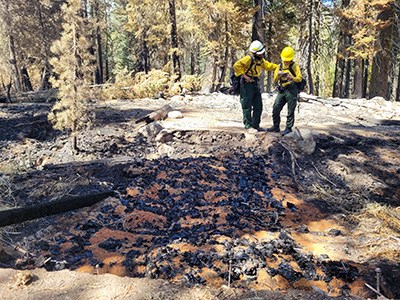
379,229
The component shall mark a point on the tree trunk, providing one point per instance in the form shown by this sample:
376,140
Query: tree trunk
99,51
340,56
9,85
214,75
394,63
144,56
44,82
310,48
381,62
174,41
14,65
268,57
26,81
258,31
398,86
346,90
192,62
226,57
317,8
358,78
365,64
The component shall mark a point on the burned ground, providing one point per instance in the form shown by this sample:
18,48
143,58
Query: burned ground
211,205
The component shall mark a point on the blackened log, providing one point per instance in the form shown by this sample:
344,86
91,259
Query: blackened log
159,114
19,215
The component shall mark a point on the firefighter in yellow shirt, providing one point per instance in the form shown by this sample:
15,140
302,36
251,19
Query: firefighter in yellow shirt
286,76
249,68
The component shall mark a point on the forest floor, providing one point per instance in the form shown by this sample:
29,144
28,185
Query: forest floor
200,207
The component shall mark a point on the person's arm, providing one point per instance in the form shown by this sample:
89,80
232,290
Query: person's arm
268,66
297,71
240,67
276,75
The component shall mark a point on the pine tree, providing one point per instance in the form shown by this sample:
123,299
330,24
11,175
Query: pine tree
74,67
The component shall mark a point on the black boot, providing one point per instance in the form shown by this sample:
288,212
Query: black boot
273,129
286,131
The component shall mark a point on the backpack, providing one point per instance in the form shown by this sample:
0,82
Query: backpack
235,80
300,85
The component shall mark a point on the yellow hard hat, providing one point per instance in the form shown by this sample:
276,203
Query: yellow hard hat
287,54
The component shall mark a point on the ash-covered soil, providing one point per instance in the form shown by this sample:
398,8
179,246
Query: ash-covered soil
199,201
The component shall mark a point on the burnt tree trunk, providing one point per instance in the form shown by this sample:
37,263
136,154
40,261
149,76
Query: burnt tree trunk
394,63
46,73
226,57
258,31
317,27
269,57
144,61
310,48
398,86
346,90
174,41
365,65
99,50
381,62
341,56
14,65
26,81
358,78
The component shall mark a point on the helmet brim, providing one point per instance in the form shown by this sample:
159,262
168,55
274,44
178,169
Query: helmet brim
261,51
287,58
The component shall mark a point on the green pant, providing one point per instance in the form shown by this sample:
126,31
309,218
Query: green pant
250,99
289,96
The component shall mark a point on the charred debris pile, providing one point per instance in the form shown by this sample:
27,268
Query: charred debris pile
203,220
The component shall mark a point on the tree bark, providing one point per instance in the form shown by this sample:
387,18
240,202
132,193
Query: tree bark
381,62
346,90
317,27
398,86
268,57
358,78
26,81
14,65
46,73
341,56
310,48
365,65
174,40
99,51
226,57
258,31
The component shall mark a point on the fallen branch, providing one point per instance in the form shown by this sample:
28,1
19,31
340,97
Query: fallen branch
374,290
294,163
319,173
19,215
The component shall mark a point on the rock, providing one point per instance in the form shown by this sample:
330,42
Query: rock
164,136
334,232
167,150
306,143
175,114
151,130
177,98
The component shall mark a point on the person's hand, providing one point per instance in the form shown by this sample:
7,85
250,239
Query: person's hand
247,78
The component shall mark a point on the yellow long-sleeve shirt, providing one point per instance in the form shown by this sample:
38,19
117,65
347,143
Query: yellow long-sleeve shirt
297,72
242,65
